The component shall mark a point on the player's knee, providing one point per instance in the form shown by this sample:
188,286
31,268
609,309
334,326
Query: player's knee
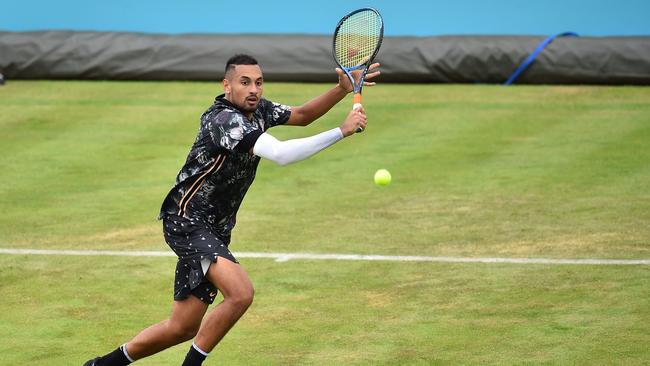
243,298
183,332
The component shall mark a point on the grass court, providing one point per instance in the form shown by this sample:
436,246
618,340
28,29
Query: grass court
478,171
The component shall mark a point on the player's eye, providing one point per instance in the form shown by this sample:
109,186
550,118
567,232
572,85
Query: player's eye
258,83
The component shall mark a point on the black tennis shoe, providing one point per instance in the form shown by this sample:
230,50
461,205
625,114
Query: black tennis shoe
93,362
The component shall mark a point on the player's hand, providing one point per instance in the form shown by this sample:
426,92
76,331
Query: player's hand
345,84
355,119
372,73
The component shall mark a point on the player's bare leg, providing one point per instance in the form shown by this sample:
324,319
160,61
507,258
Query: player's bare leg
182,325
237,290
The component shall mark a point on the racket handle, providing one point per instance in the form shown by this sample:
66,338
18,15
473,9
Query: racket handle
357,105
357,101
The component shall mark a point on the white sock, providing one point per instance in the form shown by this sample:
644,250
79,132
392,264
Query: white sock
126,354
199,350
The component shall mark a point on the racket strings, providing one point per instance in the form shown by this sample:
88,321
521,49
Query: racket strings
357,38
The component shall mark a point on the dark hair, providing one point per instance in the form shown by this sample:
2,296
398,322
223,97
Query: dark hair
239,59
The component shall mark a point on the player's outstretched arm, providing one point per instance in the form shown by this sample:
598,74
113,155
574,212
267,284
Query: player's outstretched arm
315,108
291,151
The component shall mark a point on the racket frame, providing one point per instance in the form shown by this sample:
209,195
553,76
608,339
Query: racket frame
348,70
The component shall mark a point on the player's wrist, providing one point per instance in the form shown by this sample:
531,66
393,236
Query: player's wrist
347,130
343,133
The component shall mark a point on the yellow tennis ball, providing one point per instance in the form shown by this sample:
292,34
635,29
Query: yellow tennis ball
382,177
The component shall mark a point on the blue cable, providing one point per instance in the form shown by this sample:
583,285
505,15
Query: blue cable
524,65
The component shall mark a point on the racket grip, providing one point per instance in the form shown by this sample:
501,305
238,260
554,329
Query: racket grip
357,101
357,105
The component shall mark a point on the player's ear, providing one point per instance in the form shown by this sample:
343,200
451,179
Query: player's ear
226,86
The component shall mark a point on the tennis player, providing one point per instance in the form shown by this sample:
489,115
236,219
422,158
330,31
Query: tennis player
199,212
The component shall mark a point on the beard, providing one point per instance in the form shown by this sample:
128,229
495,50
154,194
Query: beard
249,105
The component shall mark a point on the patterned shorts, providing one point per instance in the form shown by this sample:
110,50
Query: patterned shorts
196,247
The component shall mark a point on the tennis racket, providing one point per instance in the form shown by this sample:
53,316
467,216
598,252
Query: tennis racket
357,39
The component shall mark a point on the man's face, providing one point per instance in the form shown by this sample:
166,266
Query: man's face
243,87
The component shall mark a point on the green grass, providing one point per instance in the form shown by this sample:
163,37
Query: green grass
354,313
526,171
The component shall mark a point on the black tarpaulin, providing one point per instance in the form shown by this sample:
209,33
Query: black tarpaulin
446,59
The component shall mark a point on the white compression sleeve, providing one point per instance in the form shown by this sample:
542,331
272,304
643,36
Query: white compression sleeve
291,151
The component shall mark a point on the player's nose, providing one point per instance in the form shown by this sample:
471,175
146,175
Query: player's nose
254,89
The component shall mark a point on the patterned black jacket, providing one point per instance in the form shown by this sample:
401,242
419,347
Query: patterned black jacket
219,169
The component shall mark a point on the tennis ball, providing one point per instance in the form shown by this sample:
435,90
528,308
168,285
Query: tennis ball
382,177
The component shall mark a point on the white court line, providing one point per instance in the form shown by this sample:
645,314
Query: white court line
283,257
